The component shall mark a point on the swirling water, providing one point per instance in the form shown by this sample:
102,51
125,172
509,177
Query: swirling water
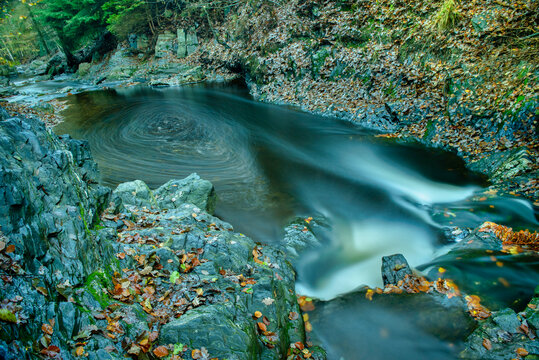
270,163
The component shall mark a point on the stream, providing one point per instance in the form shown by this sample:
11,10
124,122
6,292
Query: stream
270,164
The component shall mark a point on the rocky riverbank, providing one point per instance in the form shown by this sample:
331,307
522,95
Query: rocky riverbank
153,275
386,66
91,272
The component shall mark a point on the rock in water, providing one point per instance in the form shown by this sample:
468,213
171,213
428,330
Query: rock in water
394,268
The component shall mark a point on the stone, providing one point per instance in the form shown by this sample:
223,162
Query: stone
135,193
142,42
3,114
84,69
507,320
48,201
187,42
182,44
394,268
230,338
165,44
192,190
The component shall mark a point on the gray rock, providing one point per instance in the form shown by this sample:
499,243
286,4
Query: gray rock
507,320
187,42
49,201
191,190
134,193
215,328
165,44
394,268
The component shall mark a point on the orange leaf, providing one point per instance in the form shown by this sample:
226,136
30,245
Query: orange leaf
521,351
10,248
487,344
258,314
160,351
79,351
262,326
47,329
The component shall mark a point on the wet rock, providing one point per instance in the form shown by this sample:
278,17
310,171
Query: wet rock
191,190
215,328
301,236
507,320
394,268
135,193
499,336
504,165
57,64
47,205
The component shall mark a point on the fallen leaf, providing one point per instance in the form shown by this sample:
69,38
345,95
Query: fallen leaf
487,344
521,351
79,351
258,314
47,329
261,326
160,351
10,248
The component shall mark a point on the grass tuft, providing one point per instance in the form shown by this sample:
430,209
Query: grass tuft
448,16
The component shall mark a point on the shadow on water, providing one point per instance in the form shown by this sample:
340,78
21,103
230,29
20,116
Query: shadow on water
270,163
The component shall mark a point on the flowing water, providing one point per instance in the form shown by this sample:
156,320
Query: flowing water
271,163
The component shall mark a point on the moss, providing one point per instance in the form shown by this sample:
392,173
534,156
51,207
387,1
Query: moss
95,284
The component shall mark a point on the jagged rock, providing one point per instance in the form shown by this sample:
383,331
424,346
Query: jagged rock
500,335
165,44
49,199
504,165
394,268
230,337
187,42
299,236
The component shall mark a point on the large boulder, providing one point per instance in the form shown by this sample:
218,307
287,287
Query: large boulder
165,44
187,42
191,190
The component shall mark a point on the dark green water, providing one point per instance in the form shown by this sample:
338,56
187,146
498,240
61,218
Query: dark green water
271,163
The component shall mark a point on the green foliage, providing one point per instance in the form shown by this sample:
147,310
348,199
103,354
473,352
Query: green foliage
75,21
448,16
125,16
